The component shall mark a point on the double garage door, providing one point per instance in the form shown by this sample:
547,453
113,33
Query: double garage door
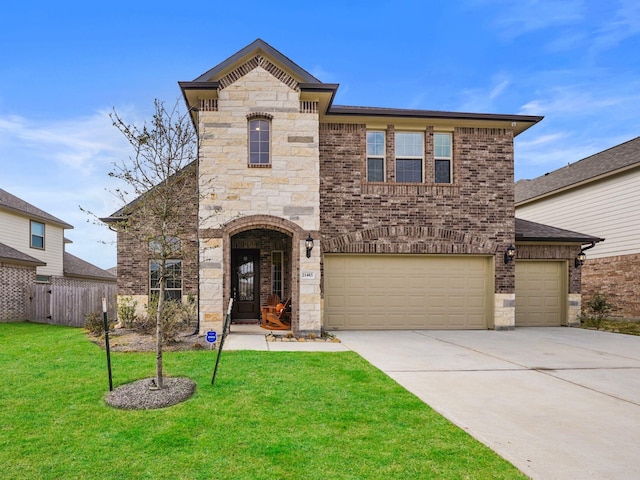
366,292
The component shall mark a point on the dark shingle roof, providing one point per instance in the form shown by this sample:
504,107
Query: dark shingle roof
76,267
11,202
11,255
609,161
258,46
537,232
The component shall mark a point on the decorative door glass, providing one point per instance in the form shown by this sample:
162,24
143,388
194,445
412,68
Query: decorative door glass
246,276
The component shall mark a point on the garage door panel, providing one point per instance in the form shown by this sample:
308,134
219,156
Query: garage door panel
408,291
540,293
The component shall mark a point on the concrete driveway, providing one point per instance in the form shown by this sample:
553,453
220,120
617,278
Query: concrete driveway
559,403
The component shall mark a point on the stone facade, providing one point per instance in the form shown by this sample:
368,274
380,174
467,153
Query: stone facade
618,279
14,281
286,189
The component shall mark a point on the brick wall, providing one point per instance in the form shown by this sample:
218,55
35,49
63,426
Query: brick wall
134,253
618,278
473,215
14,280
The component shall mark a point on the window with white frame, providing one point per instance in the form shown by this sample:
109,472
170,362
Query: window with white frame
375,156
37,235
442,157
173,284
259,141
409,156
277,267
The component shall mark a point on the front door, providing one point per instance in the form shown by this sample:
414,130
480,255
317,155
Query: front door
245,286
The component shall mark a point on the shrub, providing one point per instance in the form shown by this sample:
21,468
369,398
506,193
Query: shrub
598,309
94,323
175,318
127,311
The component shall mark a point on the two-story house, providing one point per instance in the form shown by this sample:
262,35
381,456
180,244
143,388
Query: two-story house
32,250
366,218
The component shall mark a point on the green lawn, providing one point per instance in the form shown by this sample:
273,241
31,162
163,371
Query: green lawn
269,416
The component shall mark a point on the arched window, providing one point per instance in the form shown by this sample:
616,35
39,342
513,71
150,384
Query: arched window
259,141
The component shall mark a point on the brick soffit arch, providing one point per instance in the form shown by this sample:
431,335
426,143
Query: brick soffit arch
268,222
422,236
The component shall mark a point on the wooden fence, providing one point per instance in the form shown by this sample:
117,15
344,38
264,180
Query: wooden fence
64,305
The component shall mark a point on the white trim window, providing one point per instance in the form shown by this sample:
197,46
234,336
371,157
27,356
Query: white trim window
409,157
173,284
442,157
37,235
277,270
259,141
375,156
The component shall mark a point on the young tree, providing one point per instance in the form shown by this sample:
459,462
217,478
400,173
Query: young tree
160,177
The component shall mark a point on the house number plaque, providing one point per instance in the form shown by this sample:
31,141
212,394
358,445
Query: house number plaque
307,275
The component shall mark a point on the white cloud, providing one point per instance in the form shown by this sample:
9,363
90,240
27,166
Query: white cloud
61,165
624,24
484,99
520,17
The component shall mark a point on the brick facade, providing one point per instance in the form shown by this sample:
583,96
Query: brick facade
473,215
14,281
134,253
618,278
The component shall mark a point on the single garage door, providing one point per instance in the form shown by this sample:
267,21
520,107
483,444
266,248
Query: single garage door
364,292
540,297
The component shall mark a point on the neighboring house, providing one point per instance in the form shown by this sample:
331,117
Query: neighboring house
598,194
32,252
365,217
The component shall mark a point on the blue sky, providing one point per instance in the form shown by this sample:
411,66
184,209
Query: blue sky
65,65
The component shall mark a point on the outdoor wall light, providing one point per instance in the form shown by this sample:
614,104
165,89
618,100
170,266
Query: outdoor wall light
509,254
309,244
580,259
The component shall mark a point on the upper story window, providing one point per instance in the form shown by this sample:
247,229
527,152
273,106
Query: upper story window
259,141
375,156
37,235
442,157
409,156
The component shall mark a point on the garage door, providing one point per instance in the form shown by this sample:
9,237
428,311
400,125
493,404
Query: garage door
540,288
407,292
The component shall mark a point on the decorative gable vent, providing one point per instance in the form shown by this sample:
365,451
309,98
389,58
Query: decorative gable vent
258,61
308,107
208,105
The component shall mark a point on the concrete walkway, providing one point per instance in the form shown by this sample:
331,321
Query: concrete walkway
252,337
559,403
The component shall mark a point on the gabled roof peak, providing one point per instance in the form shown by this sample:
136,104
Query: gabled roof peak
257,47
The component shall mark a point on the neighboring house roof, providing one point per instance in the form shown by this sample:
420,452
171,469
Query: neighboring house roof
614,160
11,255
76,267
17,205
537,232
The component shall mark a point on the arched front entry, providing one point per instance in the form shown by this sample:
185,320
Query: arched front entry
260,267
261,257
